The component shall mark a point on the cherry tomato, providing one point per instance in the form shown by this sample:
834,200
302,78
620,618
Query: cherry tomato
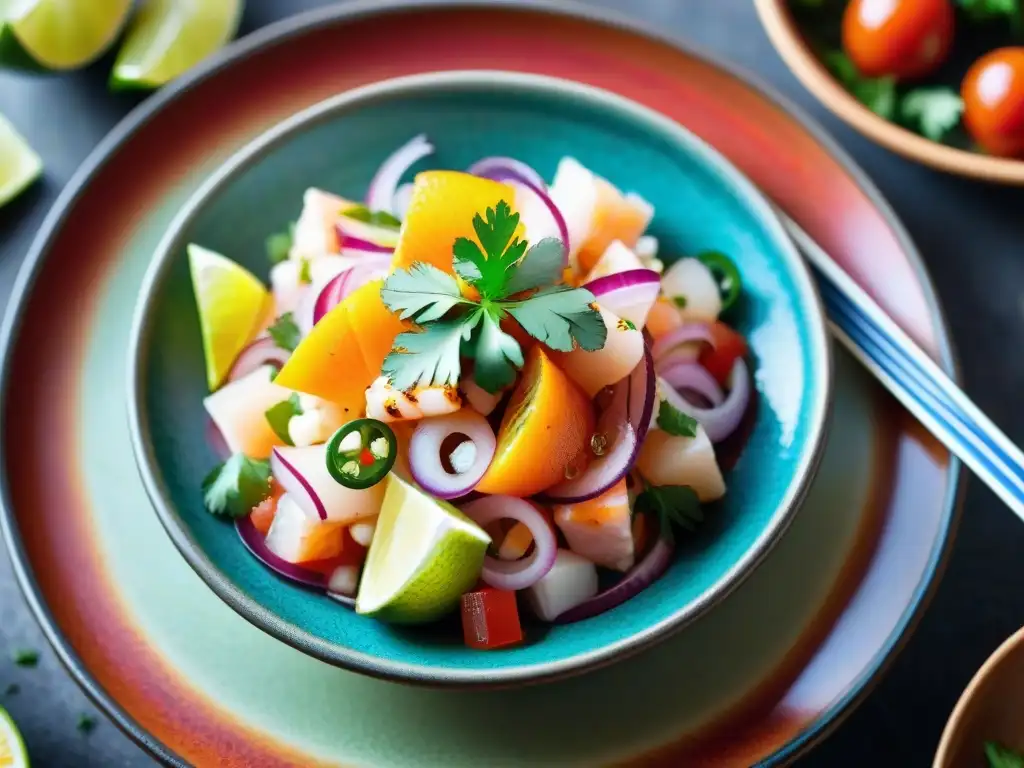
993,93
490,618
727,346
902,38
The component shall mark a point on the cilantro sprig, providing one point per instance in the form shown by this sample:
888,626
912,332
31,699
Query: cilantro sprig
673,505
1000,757
513,280
675,422
278,416
285,332
236,486
932,112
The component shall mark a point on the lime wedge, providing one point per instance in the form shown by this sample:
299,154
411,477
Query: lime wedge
58,34
12,748
424,555
168,37
19,164
232,303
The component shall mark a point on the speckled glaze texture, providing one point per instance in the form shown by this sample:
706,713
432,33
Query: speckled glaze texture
700,204
755,681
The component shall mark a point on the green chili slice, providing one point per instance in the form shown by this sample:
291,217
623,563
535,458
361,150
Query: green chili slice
726,275
361,453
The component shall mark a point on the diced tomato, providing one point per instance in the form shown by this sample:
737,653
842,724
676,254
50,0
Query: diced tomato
490,618
727,347
262,514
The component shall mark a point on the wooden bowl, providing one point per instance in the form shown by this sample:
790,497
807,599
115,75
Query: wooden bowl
991,708
789,41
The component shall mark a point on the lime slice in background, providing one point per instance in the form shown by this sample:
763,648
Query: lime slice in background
19,164
12,748
232,302
167,37
58,34
424,555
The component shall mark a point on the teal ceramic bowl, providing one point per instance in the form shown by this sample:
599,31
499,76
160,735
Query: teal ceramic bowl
701,202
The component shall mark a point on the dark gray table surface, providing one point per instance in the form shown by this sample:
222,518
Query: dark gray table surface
971,236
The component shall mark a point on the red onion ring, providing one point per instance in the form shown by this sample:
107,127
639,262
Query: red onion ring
380,195
722,420
641,576
256,544
425,453
509,166
525,572
356,246
629,295
684,334
343,285
511,176
294,484
695,377
367,237
400,202
262,351
642,394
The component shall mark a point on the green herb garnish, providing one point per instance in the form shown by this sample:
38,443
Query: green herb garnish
236,486
876,93
984,10
933,112
285,332
279,245
376,218
675,422
305,272
679,301
453,326
86,724
1001,757
673,505
25,657
279,415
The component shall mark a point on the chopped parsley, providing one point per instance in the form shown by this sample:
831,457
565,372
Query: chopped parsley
285,332
236,486
279,245
932,112
672,505
984,10
305,272
876,93
679,301
376,218
1001,757
675,422
25,657
86,724
453,326
279,415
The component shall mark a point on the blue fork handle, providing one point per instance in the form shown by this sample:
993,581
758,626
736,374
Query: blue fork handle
913,377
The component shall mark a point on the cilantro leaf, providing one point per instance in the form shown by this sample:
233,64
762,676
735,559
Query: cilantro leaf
876,93
285,332
542,265
559,315
1001,757
673,505
279,415
280,244
679,301
430,356
25,657
422,292
983,10
376,218
675,422
236,486
933,111
498,356
489,270
305,272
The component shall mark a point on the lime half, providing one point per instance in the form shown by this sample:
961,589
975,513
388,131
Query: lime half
232,303
425,554
168,37
58,34
12,748
19,164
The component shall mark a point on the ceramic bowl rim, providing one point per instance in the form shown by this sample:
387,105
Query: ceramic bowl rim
789,43
815,414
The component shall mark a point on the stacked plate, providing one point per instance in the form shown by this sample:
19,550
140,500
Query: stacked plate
757,677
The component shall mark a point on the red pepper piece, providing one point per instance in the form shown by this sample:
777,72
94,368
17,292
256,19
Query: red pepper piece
490,618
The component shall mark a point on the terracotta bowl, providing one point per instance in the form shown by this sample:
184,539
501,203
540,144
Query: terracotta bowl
990,709
789,41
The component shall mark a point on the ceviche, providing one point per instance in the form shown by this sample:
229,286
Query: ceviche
474,390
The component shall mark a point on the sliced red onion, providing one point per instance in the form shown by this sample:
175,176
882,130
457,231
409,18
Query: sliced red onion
353,233
694,377
721,421
400,202
343,285
425,461
684,334
293,483
630,295
642,394
256,544
381,194
521,181
527,571
262,351
507,167
641,576
355,246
